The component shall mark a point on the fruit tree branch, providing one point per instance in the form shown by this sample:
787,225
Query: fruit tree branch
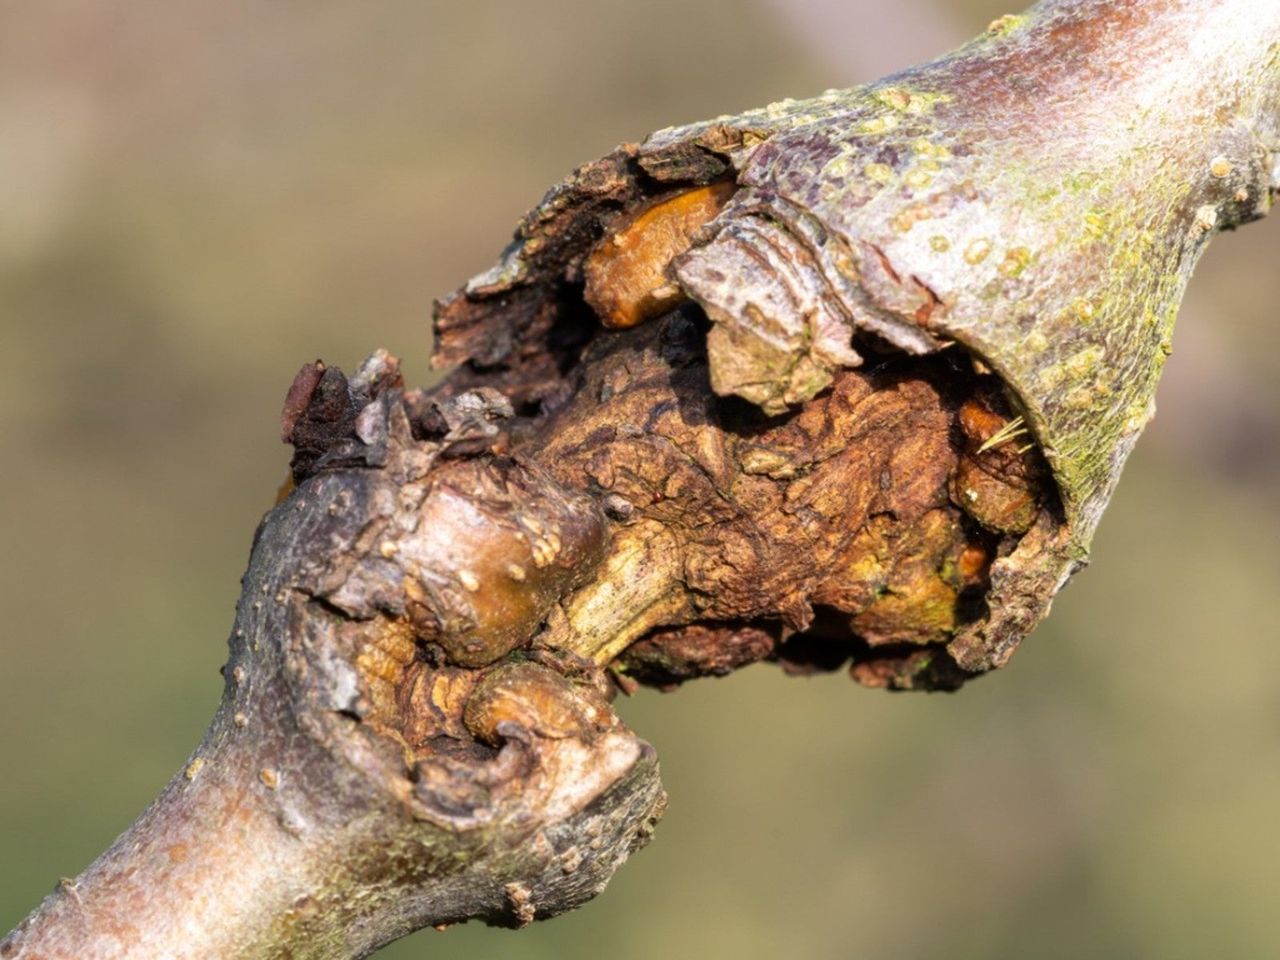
840,381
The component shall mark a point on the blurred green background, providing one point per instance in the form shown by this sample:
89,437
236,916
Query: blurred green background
196,197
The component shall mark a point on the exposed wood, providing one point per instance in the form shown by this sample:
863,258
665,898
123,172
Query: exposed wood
867,414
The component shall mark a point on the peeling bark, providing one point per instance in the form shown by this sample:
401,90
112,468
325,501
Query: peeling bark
844,382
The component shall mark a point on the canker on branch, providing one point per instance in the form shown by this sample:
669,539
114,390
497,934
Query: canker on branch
866,410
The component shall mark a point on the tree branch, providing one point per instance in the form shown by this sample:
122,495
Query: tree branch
840,381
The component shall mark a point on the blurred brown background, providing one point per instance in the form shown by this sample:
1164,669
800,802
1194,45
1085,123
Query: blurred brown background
196,197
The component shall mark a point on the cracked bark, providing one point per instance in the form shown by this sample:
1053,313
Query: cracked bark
840,382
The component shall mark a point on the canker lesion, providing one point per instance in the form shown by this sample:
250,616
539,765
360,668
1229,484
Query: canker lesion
843,522
651,531
897,580
629,277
